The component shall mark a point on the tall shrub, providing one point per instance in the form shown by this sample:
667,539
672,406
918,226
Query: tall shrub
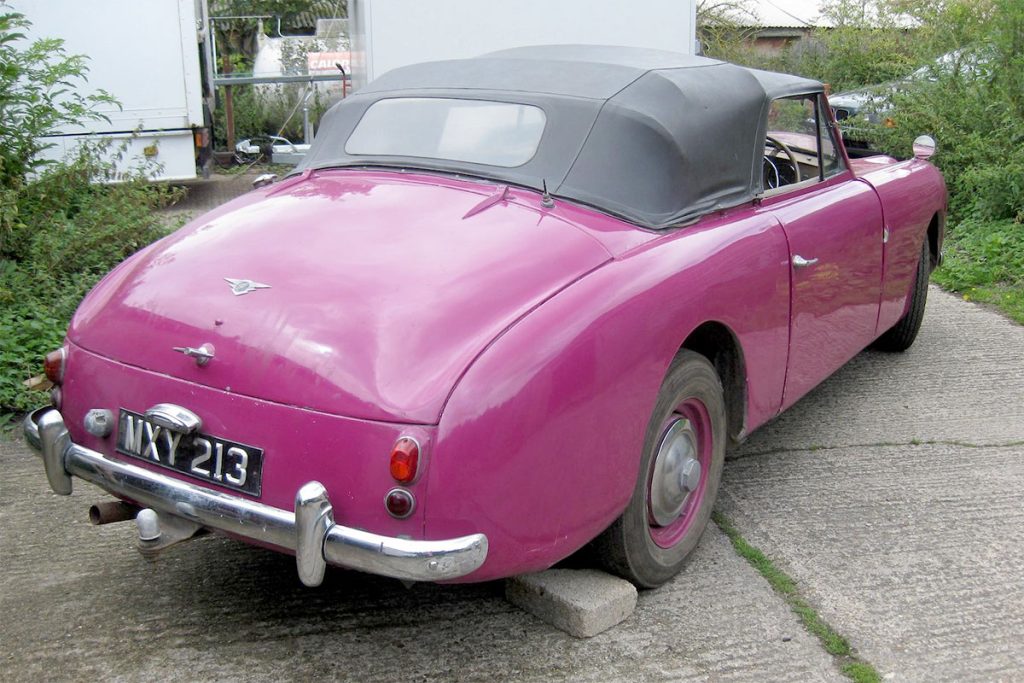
59,231
972,101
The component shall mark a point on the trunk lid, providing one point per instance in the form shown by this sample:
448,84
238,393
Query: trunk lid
380,293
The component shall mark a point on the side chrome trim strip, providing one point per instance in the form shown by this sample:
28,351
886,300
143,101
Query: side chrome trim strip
310,531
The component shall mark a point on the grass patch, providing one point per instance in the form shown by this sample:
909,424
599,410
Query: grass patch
860,672
834,643
984,262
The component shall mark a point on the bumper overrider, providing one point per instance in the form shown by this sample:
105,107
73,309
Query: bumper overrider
309,531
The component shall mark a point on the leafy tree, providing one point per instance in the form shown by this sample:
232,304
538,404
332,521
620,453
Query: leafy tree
39,92
972,100
724,13
725,27
59,231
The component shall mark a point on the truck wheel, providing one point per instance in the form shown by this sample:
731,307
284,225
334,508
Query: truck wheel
680,470
901,336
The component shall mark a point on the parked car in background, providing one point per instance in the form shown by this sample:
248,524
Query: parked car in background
869,103
270,148
506,307
857,110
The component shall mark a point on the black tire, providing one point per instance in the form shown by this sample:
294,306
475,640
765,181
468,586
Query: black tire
691,394
901,336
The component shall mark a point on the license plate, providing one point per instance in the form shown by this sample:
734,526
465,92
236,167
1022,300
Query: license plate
210,458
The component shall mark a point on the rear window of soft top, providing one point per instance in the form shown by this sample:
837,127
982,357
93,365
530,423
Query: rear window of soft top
475,131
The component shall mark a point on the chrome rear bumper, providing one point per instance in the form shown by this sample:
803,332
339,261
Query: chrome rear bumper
309,531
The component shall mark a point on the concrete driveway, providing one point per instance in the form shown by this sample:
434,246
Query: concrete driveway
893,495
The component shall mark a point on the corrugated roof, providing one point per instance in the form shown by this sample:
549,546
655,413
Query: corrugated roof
317,9
787,14
320,9
805,14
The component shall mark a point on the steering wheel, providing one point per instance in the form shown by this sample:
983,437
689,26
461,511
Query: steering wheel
780,146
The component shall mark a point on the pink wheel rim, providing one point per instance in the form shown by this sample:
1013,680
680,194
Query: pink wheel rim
677,481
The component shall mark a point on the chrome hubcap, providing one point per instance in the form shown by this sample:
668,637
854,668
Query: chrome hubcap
677,472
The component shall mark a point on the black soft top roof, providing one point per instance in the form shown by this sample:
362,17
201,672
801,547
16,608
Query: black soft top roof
655,137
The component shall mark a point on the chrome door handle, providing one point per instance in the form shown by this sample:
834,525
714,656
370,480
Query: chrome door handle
801,262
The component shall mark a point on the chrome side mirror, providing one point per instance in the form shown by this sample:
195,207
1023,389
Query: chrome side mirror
925,147
267,178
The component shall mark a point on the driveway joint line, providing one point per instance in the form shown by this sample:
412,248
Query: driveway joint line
879,444
835,644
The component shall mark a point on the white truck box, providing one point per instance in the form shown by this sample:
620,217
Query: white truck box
386,34
145,54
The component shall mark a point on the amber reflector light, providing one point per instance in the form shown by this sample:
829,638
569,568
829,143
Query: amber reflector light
53,366
405,458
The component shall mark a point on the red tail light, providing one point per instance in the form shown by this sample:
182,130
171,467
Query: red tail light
53,365
399,503
405,459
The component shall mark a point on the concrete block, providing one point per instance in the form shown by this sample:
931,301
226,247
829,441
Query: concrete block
581,602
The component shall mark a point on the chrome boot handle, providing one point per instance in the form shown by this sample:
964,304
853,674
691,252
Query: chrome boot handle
801,262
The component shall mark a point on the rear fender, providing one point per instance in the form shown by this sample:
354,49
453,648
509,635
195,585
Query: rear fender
539,444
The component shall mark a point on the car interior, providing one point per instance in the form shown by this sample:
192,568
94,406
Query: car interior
799,149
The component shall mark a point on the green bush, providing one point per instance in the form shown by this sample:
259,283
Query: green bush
71,232
971,100
861,48
974,106
249,119
59,231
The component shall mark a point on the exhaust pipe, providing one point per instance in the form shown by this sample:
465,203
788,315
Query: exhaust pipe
112,511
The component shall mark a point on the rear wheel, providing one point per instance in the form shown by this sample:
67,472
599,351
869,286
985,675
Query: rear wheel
901,336
680,470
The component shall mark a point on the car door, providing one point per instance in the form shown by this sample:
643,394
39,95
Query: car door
833,224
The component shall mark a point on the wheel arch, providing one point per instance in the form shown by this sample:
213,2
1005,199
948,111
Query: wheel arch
719,344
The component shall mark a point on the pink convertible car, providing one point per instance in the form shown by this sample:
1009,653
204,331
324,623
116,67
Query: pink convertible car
507,307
